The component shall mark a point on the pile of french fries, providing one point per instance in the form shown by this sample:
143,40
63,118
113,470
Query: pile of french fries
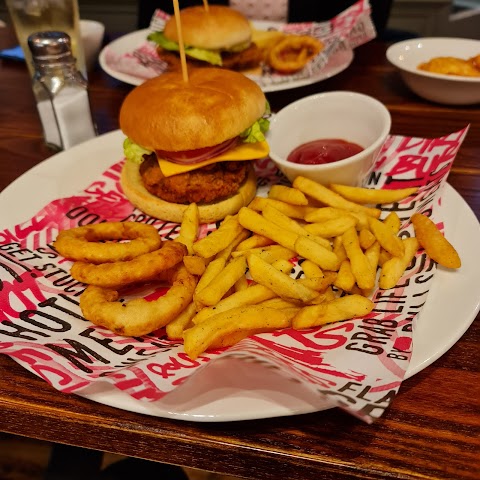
244,266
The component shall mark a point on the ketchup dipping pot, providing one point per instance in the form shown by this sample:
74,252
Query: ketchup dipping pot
325,127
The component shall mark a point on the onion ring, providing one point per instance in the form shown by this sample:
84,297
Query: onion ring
81,243
138,317
293,52
140,269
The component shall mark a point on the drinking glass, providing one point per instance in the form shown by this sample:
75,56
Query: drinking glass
30,16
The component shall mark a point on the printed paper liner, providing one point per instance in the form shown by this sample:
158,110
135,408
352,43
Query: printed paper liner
357,365
346,31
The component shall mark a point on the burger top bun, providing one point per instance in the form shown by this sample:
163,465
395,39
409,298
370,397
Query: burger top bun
167,113
219,28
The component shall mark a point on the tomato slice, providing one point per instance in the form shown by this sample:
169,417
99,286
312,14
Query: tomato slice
196,156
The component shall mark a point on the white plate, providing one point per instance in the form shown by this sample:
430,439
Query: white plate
452,305
127,43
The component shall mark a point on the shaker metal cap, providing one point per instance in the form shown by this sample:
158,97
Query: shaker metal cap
50,44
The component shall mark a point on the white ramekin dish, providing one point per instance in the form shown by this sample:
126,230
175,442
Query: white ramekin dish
349,116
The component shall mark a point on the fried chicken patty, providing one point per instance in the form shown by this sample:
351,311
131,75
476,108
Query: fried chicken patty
205,185
248,58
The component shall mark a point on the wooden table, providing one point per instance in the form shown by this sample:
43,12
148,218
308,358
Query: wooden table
432,429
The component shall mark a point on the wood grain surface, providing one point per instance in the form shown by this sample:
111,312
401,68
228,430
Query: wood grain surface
432,429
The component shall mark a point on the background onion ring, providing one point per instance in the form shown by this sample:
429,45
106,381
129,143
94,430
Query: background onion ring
82,243
140,269
293,52
139,316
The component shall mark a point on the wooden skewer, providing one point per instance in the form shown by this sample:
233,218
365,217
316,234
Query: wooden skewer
205,5
183,60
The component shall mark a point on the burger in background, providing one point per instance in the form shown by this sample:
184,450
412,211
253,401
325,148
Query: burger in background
220,37
193,142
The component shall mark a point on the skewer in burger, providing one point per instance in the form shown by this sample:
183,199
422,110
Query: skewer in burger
193,142
219,36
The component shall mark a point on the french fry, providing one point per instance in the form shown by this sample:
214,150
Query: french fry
269,253
212,270
383,257
287,223
436,246
251,319
319,284
329,295
230,339
323,214
241,284
221,284
218,239
339,249
330,198
282,284
393,269
361,268
310,269
189,227
252,295
372,196
255,222
323,297
392,221
333,227
362,219
293,211
282,265
227,251
310,250
343,308
288,195
278,302
195,265
373,255
345,278
176,327
366,238
390,242
254,241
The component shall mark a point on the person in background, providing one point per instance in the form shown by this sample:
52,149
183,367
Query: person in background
275,10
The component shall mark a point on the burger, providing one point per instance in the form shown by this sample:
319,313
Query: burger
220,37
193,142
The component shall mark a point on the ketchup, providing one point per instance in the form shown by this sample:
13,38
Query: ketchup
325,150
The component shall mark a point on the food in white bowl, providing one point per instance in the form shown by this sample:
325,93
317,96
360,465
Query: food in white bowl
465,67
445,88
360,120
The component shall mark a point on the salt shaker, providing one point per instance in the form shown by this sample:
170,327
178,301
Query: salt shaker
60,91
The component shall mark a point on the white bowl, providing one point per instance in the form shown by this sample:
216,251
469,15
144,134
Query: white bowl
436,87
349,116
92,33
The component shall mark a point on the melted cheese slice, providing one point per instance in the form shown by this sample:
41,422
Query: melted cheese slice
245,151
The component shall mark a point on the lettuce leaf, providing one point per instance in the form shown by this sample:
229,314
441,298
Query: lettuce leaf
134,152
256,133
209,56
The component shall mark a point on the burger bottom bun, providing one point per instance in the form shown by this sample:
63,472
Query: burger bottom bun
136,192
